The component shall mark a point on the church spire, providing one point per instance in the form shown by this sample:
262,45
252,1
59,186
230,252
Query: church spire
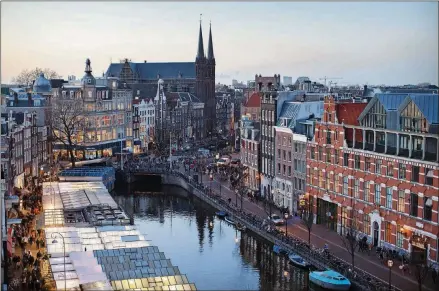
210,55
200,52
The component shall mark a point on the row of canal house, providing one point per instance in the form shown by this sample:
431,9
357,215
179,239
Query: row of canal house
375,166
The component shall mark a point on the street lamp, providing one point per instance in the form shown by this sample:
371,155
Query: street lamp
286,223
390,265
211,179
64,251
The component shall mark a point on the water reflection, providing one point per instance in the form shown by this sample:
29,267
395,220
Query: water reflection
208,250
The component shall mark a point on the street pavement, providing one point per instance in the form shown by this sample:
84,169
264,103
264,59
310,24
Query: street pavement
321,235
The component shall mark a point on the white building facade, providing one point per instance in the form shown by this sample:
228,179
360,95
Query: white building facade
146,122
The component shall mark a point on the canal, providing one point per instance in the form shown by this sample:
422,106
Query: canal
212,253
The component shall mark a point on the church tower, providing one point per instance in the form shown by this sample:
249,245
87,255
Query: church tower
205,81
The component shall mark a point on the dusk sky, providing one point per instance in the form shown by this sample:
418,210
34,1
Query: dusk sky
374,43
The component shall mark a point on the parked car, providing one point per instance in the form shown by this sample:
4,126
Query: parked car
223,161
276,219
235,162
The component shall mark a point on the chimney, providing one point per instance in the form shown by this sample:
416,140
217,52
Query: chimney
29,99
144,61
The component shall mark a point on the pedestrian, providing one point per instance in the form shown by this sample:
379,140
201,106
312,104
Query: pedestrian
37,242
434,275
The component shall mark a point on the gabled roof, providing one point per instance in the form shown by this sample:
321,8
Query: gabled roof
294,111
254,100
429,106
182,97
152,70
348,113
389,101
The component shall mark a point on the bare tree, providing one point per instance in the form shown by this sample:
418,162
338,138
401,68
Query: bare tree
68,121
308,220
421,272
26,77
350,238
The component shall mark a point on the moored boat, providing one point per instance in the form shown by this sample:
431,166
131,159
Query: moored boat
229,220
240,227
330,280
221,214
298,261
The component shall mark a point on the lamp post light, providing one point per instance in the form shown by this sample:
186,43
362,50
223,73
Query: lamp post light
286,215
64,251
390,265
211,179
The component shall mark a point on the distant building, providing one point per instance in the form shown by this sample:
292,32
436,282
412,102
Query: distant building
196,78
252,107
144,110
267,83
287,81
224,116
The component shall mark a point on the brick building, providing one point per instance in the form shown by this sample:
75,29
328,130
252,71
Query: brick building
252,107
375,166
250,153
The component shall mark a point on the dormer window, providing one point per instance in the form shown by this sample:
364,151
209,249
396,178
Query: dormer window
114,84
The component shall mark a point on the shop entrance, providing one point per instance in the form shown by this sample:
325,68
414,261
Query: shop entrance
327,214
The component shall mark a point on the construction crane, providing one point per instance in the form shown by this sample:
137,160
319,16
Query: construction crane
329,78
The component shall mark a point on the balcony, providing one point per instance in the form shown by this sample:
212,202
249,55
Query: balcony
416,145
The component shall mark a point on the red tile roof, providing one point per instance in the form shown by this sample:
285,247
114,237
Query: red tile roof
254,100
348,113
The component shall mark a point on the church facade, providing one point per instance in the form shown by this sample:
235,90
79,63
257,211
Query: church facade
197,78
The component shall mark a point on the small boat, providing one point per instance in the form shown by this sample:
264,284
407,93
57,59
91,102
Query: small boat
278,250
330,280
298,261
221,214
240,227
229,220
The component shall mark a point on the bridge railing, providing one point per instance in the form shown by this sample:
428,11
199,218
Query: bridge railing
316,256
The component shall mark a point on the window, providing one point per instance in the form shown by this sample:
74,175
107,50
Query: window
311,176
336,184
328,137
387,231
429,176
336,158
401,201
377,194
328,155
321,179
278,154
345,186
289,171
414,204
346,159
328,182
356,186
401,171
296,147
278,168
390,169
428,203
367,164
313,153
378,164
399,237
284,155
366,224
415,173
389,196
366,190
320,154
357,161
289,156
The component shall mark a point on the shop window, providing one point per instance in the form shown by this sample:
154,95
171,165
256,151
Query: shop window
428,207
414,204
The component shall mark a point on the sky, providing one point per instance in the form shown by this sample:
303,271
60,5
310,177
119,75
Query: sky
361,43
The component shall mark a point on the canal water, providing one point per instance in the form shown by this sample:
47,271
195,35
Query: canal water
212,253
